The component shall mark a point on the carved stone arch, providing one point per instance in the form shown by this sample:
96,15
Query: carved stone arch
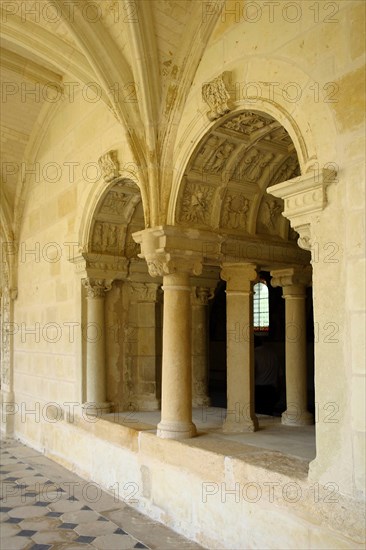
225,181
201,127
112,175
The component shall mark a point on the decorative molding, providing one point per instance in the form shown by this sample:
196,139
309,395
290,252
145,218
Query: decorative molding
109,166
304,196
216,95
96,288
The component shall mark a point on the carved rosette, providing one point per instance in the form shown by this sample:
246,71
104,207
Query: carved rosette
96,288
109,166
196,204
216,95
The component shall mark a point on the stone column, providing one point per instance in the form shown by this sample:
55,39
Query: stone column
8,407
176,254
176,403
240,347
147,360
96,391
294,282
200,297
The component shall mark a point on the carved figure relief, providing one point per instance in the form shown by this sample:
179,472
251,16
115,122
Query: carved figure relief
288,170
114,203
218,160
196,203
246,165
216,96
274,209
256,169
246,123
109,165
235,211
107,237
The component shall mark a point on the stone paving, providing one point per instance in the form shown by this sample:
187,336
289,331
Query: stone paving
43,506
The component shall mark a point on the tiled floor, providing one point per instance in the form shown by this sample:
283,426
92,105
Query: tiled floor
43,506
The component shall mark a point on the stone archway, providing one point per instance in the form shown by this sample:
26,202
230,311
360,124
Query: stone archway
224,190
117,371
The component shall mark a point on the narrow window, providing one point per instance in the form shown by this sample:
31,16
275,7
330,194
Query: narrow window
261,307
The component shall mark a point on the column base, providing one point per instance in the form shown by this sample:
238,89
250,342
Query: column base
148,404
288,418
232,427
201,401
176,430
92,408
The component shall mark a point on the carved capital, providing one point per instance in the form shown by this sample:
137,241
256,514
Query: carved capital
109,166
239,277
170,249
216,95
201,295
96,288
296,277
144,292
303,197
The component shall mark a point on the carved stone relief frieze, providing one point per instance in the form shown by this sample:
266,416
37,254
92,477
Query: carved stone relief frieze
288,170
115,203
246,123
269,216
220,157
196,203
235,211
108,238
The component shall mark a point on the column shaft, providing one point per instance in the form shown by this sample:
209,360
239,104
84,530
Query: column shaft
200,347
296,413
240,348
176,409
96,392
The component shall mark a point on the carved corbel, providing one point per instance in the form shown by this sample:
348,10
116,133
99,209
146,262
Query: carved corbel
109,166
216,95
304,197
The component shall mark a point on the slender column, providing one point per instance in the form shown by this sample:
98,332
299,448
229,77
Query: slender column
240,347
200,297
176,406
96,392
294,284
8,406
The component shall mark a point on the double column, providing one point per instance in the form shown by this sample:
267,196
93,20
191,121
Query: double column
96,392
294,283
240,415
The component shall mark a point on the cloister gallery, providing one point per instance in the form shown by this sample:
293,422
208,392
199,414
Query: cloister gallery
181,178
